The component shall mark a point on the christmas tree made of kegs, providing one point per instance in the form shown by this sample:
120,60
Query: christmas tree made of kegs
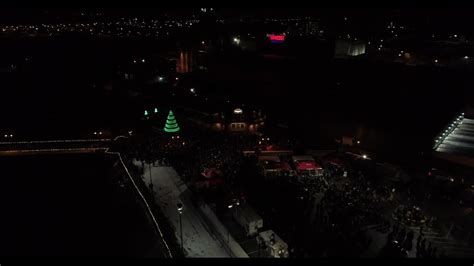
171,125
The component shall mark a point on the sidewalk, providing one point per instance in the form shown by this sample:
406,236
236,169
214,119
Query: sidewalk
169,191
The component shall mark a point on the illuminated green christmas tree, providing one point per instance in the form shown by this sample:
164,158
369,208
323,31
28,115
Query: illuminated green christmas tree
171,124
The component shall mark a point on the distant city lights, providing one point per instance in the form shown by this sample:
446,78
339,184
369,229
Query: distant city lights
123,27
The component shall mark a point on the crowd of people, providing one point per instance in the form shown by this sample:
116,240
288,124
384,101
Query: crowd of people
347,206
349,202
409,215
400,243
193,151
351,208
213,150
310,182
427,251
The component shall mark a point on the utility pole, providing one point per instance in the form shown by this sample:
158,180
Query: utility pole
151,181
180,212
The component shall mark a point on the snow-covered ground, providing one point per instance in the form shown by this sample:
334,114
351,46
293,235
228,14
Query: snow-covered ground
171,190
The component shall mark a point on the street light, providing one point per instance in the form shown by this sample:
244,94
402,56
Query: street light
235,202
228,231
179,206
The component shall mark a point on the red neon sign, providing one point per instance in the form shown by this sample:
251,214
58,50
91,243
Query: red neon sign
276,38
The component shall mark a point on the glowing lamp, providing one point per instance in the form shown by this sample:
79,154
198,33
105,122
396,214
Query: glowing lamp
238,111
277,38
